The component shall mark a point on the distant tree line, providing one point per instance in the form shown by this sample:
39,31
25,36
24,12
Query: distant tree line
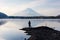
32,17
35,17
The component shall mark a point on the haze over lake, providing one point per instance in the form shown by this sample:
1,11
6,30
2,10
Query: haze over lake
9,29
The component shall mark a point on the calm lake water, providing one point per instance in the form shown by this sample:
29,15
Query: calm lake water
9,28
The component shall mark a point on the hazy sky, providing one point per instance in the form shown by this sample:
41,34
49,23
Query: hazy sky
10,7
45,7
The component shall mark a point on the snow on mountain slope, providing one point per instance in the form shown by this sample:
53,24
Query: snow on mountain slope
27,12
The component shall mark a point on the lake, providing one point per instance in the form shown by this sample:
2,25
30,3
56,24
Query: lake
9,28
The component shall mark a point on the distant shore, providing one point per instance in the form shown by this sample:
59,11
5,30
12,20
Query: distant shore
31,17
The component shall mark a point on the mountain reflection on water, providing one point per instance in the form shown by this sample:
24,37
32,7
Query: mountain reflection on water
11,27
24,22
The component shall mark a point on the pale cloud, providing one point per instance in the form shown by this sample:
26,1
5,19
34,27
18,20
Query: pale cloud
10,8
46,7
49,7
2,38
49,11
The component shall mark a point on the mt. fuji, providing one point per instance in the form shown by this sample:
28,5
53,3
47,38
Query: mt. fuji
27,12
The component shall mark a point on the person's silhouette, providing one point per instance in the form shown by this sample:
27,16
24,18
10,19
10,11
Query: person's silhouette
29,23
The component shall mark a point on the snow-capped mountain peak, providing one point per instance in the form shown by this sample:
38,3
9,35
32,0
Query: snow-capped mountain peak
27,12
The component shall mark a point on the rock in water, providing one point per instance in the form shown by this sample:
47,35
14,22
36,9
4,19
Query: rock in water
42,33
